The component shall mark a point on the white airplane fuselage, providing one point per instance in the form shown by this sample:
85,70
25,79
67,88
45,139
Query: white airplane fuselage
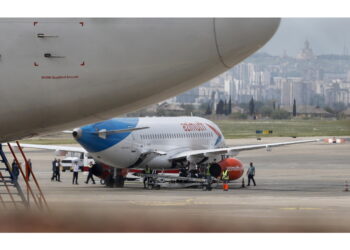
145,147
59,73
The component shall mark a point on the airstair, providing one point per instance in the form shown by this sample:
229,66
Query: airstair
15,192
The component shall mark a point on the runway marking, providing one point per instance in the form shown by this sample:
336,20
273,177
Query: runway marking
162,203
300,208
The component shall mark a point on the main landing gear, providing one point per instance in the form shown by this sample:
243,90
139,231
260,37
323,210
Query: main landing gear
116,179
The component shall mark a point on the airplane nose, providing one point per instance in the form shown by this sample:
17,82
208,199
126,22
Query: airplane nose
77,133
237,38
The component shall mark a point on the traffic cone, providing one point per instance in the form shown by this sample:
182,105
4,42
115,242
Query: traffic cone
225,187
243,185
346,186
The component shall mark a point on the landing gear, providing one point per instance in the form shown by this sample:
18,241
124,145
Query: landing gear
116,179
151,184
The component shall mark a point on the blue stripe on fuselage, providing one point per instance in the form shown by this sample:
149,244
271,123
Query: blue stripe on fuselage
93,143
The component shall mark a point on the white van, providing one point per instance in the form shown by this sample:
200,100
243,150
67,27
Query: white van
83,162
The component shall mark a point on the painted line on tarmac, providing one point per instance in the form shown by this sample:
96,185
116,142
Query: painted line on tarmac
300,208
163,203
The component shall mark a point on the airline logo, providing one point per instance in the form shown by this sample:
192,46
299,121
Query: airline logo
188,126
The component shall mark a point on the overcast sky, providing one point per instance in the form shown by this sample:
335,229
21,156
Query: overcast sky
326,36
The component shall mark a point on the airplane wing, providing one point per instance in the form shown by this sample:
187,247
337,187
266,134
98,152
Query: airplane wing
51,147
233,150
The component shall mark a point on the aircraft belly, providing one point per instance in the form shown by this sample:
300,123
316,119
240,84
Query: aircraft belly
121,155
87,70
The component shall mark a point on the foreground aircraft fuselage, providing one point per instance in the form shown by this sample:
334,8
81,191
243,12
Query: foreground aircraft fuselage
61,73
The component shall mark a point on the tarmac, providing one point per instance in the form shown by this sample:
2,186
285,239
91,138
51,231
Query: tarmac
300,188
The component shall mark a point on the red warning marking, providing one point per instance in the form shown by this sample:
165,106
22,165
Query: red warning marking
81,23
35,23
83,63
35,64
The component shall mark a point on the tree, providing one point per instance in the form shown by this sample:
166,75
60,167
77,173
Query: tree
229,106
225,111
189,108
280,114
294,108
266,111
220,108
251,107
209,110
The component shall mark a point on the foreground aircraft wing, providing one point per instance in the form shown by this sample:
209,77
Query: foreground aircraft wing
51,147
232,150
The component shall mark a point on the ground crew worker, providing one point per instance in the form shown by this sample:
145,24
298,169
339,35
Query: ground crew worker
147,171
90,175
15,171
208,178
30,168
251,174
54,169
58,170
225,177
75,172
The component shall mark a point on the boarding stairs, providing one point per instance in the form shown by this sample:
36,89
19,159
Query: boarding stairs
19,194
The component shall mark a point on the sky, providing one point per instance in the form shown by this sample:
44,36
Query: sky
326,36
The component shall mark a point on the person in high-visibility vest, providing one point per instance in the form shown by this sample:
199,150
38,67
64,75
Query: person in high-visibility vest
146,178
225,177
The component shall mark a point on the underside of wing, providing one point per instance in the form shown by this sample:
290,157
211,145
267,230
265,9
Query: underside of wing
51,147
233,151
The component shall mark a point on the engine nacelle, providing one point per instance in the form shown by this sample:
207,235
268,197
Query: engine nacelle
234,167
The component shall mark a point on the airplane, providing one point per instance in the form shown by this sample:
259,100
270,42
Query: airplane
59,73
126,144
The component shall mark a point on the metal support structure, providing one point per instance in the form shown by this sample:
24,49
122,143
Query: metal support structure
9,181
14,183
30,171
29,189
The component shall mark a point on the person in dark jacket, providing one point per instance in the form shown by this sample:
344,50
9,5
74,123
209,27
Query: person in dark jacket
54,163
58,170
30,168
15,171
90,175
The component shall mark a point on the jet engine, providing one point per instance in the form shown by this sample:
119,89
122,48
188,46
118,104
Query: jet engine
234,167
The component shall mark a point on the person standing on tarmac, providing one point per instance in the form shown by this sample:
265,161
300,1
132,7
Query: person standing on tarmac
14,171
30,168
75,172
251,174
224,176
208,174
146,178
90,175
54,169
58,170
